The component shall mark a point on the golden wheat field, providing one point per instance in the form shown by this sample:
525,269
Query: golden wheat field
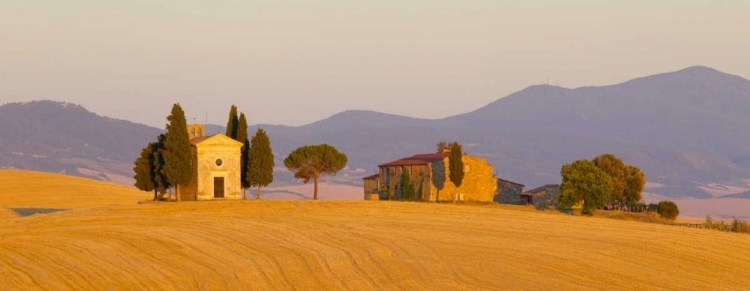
358,245
49,190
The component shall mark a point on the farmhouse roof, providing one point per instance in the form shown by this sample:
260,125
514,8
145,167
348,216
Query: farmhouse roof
371,177
509,181
418,159
537,189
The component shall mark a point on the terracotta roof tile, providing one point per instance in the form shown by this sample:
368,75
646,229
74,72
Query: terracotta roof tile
418,159
371,177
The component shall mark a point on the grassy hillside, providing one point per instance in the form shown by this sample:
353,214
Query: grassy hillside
360,245
29,189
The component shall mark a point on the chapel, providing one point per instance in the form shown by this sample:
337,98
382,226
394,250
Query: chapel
216,163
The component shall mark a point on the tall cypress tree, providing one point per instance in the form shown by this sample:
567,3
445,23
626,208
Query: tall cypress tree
233,122
260,164
160,179
244,152
177,160
456,164
241,128
245,166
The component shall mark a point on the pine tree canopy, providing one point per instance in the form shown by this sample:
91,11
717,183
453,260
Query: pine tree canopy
177,160
312,161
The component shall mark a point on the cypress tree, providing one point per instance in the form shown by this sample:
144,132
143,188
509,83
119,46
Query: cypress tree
160,179
242,137
176,153
144,170
260,161
241,129
244,167
456,164
232,123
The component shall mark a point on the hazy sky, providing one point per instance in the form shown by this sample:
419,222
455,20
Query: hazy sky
295,62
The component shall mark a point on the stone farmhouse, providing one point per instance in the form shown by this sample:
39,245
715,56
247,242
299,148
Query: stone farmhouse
430,173
508,192
216,167
541,197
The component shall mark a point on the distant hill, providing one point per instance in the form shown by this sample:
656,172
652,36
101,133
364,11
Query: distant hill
684,129
66,138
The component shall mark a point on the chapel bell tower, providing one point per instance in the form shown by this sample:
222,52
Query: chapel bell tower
196,131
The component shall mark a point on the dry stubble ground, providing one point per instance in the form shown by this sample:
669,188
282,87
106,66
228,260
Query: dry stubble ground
359,245
308,245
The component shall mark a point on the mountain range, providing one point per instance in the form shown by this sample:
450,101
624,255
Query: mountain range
688,130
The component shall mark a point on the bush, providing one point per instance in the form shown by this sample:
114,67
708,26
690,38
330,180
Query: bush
653,207
710,223
740,226
668,210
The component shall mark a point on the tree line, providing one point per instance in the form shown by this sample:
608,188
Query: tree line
606,182
167,162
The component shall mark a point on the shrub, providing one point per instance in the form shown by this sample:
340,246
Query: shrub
710,223
653,207
668,209
740,226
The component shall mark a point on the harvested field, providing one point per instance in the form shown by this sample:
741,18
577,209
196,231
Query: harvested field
29,189
360,245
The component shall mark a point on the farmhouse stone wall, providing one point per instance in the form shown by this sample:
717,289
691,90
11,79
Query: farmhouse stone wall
508,193
478,185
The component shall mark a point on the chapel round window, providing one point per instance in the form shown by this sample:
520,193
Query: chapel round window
219,162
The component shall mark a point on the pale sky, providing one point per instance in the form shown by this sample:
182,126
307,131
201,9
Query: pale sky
295,62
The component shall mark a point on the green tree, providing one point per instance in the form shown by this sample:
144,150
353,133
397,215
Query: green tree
161,183
145,177
635,180
668,209
407,188
176,152
438,177
233,122
313,161
583,181
456,164
244,153
245,167
242,128
260,162
616,169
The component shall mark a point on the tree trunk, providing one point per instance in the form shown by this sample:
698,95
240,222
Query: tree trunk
257,196
315,188
155,193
